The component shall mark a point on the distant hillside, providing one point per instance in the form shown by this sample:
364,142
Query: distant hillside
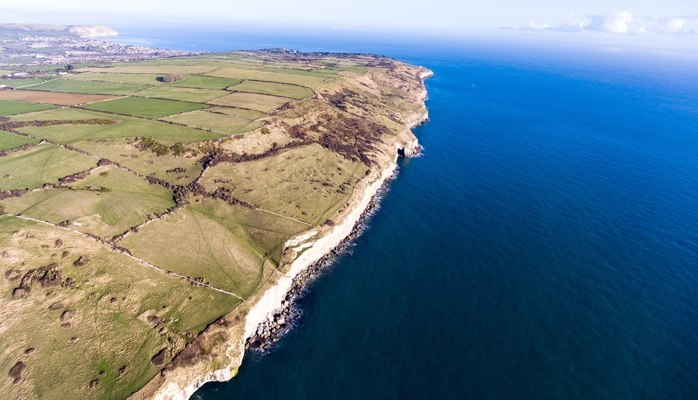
77,30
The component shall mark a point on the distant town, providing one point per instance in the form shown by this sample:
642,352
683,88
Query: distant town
22,48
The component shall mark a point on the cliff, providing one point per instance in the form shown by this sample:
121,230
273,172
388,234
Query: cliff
218,352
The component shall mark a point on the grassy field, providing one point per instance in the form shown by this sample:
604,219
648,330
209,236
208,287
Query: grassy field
9,141
128,127
94,323
153,69
40,164
251,101
16,83
205,82
238,112
218,249
137,79
142,107
177,170
276,89
183,93
221,123
13,107
88,87
61,99
307,183
107,203
240,73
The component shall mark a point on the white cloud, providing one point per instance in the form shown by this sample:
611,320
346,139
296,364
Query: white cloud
621,23
671,24
616,22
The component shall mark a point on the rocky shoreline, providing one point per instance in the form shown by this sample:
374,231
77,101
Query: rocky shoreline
286,318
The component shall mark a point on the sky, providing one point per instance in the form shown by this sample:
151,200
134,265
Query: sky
666,20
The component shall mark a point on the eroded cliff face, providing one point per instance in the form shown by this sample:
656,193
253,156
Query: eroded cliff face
366,117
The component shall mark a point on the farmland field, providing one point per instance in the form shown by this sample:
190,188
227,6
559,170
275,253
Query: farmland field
61,99
238,112
205,82
153,69
183,93
293,188
9,141
251,101
74,86
218,249
40,164
276,89
13,107
239,73
126,127
138,79
142,107
105,204
216,122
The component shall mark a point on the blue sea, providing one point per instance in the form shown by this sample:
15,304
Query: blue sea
544,246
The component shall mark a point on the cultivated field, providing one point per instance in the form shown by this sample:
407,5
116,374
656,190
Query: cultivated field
107,203
61,99
205,82
137,79
251,101
14,107
183,93
217,122
40,164
267,76
275,89
9,141
142,107
88,87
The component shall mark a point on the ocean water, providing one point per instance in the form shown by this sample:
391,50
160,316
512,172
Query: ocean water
544,246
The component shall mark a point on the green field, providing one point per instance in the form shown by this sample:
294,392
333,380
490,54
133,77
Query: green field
153,69
251,101
126,128
138,79
105,204
237,112
275,89
164,167
205,82
142,107
88,87
16,107
109,299
40,164
218,249
240,73
292,186
217,122
183,93
9,141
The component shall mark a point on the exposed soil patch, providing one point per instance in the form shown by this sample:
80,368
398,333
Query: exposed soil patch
159,359
16,372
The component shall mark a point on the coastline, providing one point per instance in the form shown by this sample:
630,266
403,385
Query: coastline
309,252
